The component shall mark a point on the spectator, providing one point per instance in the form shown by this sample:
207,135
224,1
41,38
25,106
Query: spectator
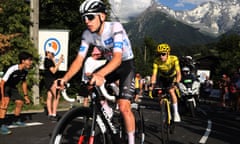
50,75
15,74
138,87
224,87
234,91
207,87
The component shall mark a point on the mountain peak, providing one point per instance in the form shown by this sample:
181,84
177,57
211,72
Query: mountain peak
212,17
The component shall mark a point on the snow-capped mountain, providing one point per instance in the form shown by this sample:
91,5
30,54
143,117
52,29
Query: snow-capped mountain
212,17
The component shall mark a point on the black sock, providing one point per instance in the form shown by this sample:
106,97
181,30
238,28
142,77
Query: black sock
17,118
2,121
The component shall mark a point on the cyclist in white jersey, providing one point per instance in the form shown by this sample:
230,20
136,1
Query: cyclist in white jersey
113,42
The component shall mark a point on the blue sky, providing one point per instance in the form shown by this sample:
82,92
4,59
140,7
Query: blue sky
182,4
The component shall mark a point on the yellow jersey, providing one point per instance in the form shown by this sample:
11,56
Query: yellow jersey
137,82
168,68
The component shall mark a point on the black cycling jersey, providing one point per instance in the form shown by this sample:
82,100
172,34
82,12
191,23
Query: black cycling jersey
14,75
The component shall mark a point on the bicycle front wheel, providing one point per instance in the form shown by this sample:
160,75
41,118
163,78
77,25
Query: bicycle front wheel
75,128
165,125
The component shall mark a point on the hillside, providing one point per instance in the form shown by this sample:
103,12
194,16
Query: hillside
163,28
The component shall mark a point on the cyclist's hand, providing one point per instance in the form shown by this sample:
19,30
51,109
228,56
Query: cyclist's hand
59,84
175,84
151,87
97,79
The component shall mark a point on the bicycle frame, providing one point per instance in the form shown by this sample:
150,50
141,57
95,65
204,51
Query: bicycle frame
166,114
93,125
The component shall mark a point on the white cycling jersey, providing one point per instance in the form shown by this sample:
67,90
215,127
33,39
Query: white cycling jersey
113,39
90,66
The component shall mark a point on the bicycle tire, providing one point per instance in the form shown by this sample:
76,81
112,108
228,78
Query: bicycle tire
139,126
74,127
165,126
191,108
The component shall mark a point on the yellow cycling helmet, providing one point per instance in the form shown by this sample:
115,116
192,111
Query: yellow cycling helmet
163,48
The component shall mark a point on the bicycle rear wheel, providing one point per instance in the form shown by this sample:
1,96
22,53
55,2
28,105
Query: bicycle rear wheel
165,126
75,127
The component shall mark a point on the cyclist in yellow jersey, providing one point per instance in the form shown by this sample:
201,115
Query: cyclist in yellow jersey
167,73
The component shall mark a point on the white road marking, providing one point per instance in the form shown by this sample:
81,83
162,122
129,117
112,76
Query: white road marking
207,133
27,125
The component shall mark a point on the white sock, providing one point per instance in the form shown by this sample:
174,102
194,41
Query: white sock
131,137
175,108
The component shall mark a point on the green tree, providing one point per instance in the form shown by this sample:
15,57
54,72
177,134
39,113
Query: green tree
228,49
14,34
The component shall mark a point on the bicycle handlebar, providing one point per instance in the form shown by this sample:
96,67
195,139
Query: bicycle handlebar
101,88
64,94
105,93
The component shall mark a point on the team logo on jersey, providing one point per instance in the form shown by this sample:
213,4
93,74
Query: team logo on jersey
54,44
118,45
82,48
108,41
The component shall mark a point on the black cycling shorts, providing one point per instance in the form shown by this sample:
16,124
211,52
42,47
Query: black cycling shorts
125,73
163,82
12,93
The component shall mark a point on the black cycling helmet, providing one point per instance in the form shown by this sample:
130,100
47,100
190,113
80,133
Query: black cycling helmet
92,6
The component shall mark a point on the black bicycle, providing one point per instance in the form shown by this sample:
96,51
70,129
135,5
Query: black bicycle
81,125
166,117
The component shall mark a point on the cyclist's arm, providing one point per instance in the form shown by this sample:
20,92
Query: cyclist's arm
154,74
178,71
178,76
112,65
118,38
74,68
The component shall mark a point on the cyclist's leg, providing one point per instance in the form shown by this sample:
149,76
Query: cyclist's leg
175,105
125,73
126,95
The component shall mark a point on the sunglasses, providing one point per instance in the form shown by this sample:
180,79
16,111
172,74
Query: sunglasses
89,16
162,54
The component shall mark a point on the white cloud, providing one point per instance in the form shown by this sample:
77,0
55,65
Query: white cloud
127,8
194,2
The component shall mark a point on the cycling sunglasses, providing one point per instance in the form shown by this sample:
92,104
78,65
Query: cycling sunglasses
162,54
89,16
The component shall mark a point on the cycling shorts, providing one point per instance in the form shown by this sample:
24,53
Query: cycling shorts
125,73
164,82
12,93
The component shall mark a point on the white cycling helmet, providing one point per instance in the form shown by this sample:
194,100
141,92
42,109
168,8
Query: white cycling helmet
92,6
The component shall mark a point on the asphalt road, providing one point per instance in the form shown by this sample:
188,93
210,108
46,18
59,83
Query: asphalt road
212,125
